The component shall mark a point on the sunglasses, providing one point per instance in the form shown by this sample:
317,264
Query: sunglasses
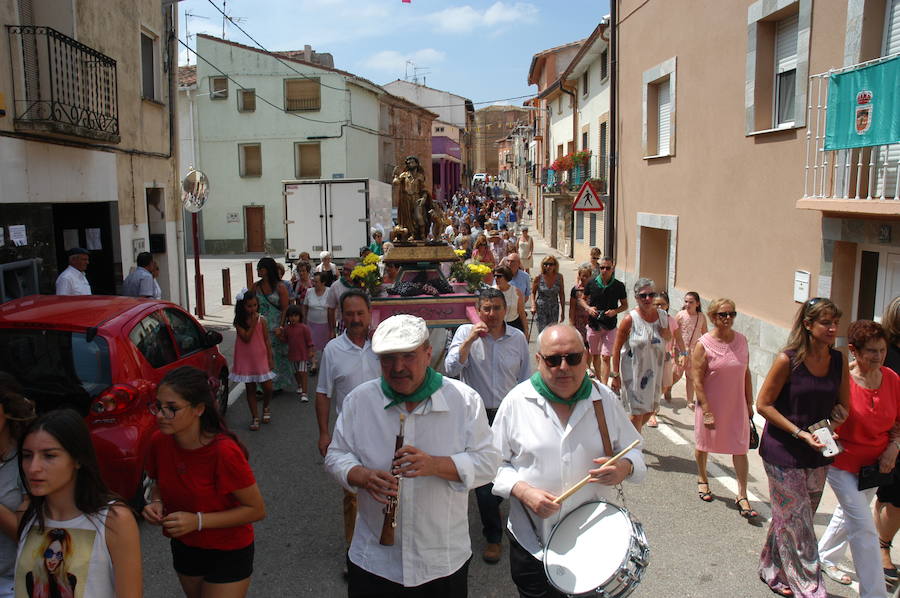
551,265
498,275
606,267
727,314
49,554
647,295
554,361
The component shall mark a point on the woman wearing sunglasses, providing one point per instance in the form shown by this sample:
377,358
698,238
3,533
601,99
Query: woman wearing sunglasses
808,382
548,299
639,351
720,363
204,494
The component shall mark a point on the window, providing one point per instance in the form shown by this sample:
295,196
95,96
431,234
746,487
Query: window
604,65
658,130
559,105
585,78
603,149
585,136
439,129
250,156
152,339
218,88
247,100
778,37
579,226
307,160
785,70
302,95
559,150
188,336
148,66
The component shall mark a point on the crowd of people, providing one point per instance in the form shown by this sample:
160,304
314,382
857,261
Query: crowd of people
409,443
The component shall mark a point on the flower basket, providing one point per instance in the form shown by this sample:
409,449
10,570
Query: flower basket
367,275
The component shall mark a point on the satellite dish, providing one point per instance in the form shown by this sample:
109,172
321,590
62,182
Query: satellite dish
195,190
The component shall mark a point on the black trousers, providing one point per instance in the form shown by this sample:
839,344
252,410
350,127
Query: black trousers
489,505
528,574
362,584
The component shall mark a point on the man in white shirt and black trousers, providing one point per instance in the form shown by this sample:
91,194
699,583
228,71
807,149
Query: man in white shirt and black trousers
447,450
548,435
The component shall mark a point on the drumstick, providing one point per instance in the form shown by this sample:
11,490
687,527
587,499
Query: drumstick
588,477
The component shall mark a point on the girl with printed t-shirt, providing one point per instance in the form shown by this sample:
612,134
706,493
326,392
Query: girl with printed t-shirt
204,493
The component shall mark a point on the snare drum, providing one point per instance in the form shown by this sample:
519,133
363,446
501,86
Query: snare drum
597,549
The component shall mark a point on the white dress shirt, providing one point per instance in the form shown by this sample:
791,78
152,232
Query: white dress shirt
72,281
535,448
141,283
494,366
432,535
344,366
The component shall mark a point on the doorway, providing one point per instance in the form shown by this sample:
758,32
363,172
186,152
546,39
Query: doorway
88,225
255,233
654,258
878,282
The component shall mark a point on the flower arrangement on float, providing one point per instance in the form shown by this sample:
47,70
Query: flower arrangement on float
367,274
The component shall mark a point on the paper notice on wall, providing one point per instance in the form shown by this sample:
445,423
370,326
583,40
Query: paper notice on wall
70,238
93,239
17,235
824,287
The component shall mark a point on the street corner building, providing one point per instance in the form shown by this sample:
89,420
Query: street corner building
88,142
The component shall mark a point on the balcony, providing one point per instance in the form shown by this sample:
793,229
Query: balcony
62,86
861,181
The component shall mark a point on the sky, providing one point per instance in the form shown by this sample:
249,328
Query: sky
478,49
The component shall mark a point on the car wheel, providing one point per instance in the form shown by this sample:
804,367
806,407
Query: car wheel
222,398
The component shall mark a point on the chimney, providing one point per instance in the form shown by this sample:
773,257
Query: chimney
307,53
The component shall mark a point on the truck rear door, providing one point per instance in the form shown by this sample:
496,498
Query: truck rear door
304,211
348,218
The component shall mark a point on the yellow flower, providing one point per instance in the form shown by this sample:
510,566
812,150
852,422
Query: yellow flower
460,252
371,259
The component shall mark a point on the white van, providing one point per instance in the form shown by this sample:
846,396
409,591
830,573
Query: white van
479,177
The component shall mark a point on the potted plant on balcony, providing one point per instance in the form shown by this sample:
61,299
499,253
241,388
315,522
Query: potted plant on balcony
581,158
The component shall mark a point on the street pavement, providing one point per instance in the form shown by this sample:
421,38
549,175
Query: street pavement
698,549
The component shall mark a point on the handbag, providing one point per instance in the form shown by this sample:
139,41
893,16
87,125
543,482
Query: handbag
754,436
870,476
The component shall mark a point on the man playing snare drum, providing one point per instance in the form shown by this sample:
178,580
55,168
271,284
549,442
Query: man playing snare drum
548,436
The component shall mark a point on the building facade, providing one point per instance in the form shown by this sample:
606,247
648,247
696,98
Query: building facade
88,143
493,124
731,193
260,118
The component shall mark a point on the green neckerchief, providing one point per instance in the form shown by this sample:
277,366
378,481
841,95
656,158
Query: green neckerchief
432,382
599,281
583,392
346,283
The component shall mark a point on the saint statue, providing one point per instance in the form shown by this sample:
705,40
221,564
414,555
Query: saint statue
415,201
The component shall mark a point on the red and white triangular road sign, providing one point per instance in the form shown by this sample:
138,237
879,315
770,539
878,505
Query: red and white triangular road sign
588,199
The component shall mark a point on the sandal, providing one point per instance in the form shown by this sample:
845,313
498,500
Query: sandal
254,424
837,575
691,405
705,496
749,512
890,574
267,416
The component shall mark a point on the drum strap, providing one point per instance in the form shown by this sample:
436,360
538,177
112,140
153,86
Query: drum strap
604,431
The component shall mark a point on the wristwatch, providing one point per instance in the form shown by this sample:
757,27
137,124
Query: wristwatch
614,374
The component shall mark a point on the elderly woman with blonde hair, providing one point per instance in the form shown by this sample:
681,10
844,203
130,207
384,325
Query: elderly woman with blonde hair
720,363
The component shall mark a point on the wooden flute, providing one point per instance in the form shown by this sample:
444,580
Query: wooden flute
390,509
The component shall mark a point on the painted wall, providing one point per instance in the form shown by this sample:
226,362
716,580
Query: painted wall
449,107
729,196
351,151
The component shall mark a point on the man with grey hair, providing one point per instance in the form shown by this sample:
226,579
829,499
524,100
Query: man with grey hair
72,280
552,430
491,357
446,450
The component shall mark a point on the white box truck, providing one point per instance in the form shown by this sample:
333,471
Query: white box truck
334,215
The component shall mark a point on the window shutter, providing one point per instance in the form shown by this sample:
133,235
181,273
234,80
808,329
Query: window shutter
592,230
309,160
579,226
664,104
892,36
786,44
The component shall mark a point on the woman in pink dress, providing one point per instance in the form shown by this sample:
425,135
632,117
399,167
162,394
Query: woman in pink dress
692,325
725,399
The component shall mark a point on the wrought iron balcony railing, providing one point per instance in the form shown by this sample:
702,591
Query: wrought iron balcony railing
61,85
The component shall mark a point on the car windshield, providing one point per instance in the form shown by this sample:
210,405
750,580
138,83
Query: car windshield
56,367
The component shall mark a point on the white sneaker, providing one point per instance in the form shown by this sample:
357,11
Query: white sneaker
304,398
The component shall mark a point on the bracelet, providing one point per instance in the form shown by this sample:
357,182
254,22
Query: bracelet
796,433
199,521
155,500
897,443
614,374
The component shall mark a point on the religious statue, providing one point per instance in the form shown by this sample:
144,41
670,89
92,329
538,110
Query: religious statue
415,202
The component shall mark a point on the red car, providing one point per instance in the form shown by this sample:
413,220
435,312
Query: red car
104,357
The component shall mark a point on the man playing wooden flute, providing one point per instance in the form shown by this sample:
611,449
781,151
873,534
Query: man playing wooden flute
549,438
447,452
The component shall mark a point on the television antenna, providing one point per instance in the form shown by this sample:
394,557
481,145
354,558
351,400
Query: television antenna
416,70
226,18
188,15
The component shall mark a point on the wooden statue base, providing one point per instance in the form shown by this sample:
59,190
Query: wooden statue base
421,251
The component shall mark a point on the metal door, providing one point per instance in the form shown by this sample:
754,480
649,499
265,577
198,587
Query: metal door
255,217
304,211
348,218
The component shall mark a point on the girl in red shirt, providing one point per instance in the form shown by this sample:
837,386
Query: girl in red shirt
204,494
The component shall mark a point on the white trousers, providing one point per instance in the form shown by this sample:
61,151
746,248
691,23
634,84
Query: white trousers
853,523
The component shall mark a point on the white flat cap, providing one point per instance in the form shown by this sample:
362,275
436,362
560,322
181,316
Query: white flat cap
399,334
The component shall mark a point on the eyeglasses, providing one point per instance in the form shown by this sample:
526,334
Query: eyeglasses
550,265
647,295
554,361
606,267
49,554
727,314
498,275
167,410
